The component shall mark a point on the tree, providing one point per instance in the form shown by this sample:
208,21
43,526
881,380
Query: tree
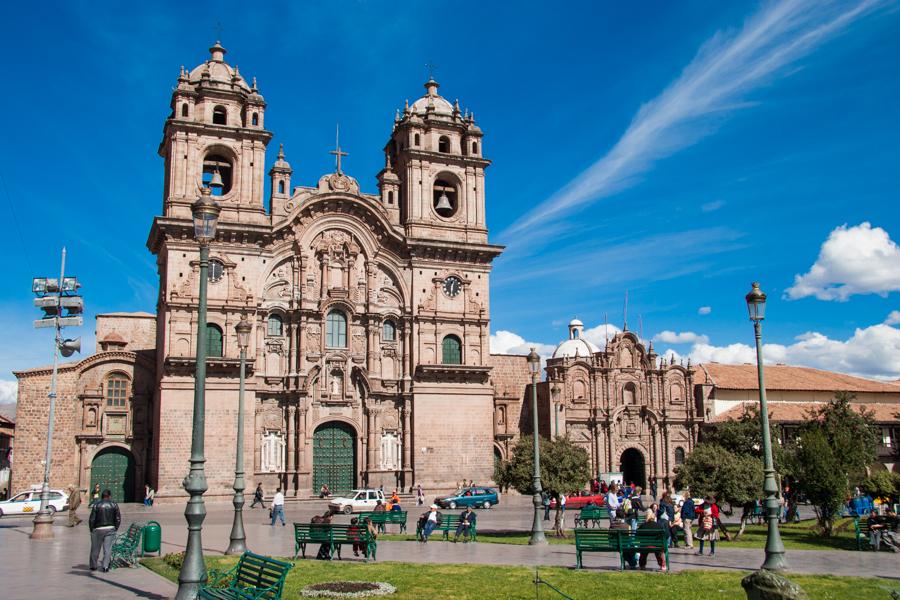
564,466
835,447
820,477
713,470
882,484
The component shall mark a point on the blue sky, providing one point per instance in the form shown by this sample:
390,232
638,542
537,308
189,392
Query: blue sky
675,150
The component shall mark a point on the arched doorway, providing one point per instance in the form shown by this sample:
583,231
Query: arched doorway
113,469
334,457
633,468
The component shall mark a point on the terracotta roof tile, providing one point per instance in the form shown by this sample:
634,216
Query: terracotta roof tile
785,377
799,411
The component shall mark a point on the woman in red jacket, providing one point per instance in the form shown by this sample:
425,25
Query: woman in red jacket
708,518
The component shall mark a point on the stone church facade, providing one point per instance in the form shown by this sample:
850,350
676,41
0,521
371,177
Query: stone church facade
630,410
369,360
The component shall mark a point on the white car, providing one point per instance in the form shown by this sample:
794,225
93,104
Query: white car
357,501
29,503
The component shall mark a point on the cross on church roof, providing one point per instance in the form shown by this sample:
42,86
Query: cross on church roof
337,151
218,27
430,66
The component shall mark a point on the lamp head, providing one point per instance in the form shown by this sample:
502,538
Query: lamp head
243,329
756,303
534,362
206,217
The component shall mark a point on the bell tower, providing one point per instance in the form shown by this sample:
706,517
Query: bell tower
215,137
436,153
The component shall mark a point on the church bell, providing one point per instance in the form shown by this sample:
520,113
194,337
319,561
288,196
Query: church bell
216,181
444,202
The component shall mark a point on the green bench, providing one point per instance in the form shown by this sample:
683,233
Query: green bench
592,516
448,525
387,517
254,577
335,536
127,546
619,541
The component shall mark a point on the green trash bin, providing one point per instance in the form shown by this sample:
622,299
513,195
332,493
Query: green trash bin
152,538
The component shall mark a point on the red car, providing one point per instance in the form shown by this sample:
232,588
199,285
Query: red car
583,498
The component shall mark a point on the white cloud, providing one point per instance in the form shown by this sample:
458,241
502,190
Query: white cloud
683,337
893,318
599,334
8,391
704,310
715,83
507,342
712,206
853,260
870,352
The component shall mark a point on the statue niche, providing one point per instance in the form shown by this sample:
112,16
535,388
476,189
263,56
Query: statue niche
337,251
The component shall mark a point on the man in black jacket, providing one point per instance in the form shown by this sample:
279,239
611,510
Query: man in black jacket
103,522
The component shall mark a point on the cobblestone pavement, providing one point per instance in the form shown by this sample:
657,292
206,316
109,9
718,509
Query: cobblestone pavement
59,569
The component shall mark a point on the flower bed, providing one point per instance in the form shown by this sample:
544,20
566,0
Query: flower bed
348,589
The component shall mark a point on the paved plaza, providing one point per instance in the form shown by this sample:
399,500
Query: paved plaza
64,569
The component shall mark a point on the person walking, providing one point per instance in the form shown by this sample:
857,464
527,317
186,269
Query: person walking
545,502
559,523
637,507
104,522
258,497
95,495
278,507
688,514
74,503
420,495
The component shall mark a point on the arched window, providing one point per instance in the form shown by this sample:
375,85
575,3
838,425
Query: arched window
444,144
451,351
474,147
416,140
336,330
255,119
220,116
116,390
275,325
280,187
444,198
389,332
679,456
213,163
184,110
213,341
629,394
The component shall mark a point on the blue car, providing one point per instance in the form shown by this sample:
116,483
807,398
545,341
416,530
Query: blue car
476,497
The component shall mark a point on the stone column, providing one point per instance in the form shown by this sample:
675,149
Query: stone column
370,430
407,441
292,449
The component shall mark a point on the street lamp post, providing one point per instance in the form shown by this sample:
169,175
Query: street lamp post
238,543
537,527
193,571
756,305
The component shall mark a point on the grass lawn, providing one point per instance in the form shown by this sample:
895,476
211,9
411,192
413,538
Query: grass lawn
426,581
796,536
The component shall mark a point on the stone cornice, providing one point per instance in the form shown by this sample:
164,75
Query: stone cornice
107,356
453,251
456,373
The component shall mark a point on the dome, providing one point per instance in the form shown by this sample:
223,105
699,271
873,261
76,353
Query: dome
431,99
219,71
576,345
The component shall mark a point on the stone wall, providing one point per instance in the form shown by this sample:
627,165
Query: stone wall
138,330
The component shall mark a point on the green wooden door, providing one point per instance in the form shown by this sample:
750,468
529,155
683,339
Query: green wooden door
113,469
334,457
